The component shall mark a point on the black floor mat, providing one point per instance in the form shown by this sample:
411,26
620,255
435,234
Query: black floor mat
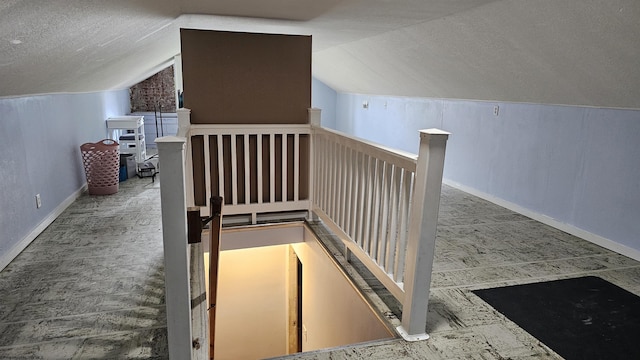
580,318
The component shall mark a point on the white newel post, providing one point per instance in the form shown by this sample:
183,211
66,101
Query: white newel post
315,115
184,127
422,233
176,251
184,121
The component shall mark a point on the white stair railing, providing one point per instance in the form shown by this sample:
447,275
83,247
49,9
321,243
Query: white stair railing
260,168
385,204
365,190
382,202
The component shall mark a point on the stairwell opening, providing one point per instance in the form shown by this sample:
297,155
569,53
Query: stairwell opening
280,292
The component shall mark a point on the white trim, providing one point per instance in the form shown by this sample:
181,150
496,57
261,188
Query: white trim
261,235
488,101
302,205
568,228
8,257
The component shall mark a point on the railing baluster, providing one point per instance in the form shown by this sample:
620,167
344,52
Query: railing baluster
316,150
377,192
259,166
247,170
369,190
272,168
393,220
221,168
345,187
377,204
338,195
382,174
332,180
407,181
285,164
207,171
234,170
362,178
384,215
322,186
296,167
348,199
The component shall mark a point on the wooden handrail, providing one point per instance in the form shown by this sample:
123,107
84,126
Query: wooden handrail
214,257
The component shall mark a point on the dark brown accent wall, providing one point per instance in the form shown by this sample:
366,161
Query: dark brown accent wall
246,78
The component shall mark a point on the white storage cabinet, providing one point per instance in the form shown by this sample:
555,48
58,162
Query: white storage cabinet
128,131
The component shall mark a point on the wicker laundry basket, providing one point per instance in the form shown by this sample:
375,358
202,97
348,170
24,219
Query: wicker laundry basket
102,166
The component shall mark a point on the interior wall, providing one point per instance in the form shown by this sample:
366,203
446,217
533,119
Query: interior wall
323,97
246,78
333,313
575,165
40,138
392,121
251,315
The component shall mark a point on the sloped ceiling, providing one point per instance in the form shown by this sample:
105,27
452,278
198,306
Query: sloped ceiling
577,52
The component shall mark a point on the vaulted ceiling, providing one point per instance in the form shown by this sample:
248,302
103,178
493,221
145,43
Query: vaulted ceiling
578,52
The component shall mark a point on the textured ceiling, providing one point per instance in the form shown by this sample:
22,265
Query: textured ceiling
579,52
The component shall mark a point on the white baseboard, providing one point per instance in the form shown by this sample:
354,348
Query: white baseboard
575,231
6,258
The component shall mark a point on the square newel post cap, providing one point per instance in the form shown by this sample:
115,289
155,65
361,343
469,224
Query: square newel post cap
315,116
171,142
434,134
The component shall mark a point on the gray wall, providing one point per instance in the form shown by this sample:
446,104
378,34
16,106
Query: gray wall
40,138
577,165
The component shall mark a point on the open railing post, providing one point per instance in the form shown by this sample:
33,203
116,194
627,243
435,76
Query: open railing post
176,251
184,121
422,233
184,127
315,116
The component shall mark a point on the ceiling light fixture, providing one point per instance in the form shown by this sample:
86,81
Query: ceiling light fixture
15,41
